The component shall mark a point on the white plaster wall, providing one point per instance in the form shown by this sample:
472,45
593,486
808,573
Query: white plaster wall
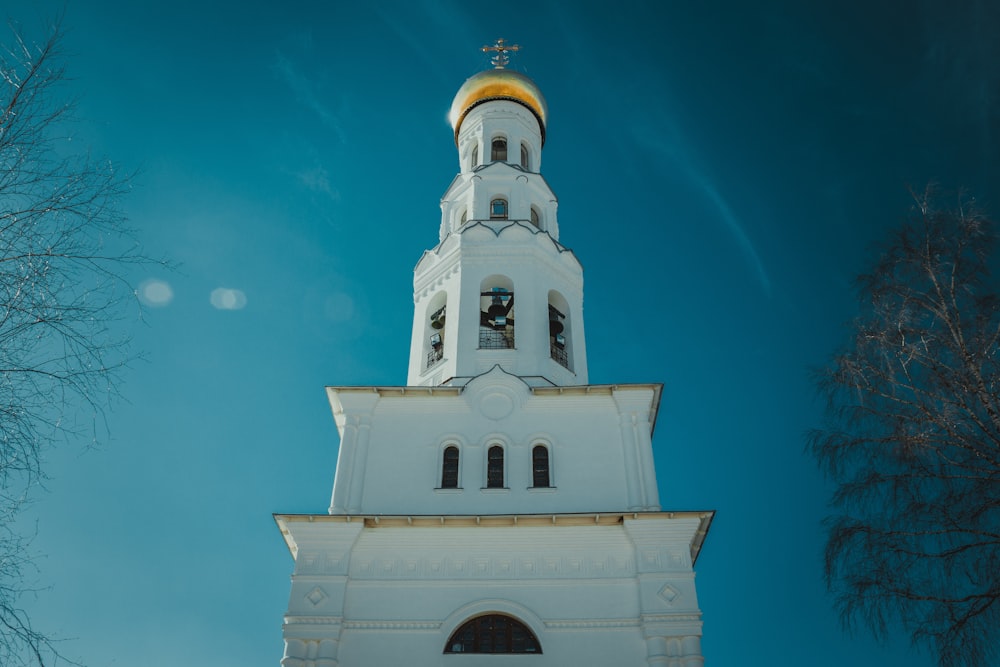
391,444
592,595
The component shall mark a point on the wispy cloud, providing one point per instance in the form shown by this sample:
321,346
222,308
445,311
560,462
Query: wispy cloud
317,179
664,137
307,93
448,18
732,224
666,140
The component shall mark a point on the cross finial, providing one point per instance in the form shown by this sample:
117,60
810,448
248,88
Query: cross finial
501,59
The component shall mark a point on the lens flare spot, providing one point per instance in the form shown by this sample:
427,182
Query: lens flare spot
227,298
156,293
338,307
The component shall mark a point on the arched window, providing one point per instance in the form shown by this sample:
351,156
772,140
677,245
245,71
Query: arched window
496,313
465,216
498,208
434,330
494,467
524,156
499,151
534,217
475,156
449,468
540,466
560,334
493,633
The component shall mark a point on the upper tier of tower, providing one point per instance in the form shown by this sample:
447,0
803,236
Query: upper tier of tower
498,289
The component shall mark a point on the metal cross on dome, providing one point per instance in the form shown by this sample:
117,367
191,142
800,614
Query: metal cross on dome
501,59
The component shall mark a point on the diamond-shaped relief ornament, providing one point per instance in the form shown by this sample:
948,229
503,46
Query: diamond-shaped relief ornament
669,593
316,596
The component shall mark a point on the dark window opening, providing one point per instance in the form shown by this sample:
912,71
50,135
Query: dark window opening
493,633
449,468
498,208
524,156
436,352
499,150
475,156
494,470
534,217
557,341
540,466
496,320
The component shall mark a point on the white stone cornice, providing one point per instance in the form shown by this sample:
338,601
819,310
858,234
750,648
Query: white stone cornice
591,623
391,625
293,619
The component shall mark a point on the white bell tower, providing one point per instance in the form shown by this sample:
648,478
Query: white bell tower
498,503
498,289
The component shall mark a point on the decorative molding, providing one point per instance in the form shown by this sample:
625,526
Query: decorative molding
591,623
316,596
313,620
671,618
669,594
392,625
496,405
503,567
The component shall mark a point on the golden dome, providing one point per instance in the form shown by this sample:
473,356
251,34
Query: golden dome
498,84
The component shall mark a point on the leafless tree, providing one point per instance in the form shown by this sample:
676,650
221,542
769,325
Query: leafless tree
912,441
64,246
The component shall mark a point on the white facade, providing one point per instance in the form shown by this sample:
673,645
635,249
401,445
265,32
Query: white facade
497,504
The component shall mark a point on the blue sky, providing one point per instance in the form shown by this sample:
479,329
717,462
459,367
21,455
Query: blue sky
723,169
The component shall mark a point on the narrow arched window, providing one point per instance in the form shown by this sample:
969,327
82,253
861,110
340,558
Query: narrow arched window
499,150
475,156
558,331
540,466
498,208
465,217
534,217
449,468
493,633
494,467
524,156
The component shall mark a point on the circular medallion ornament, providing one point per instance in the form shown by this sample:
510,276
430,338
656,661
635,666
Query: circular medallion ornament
496,405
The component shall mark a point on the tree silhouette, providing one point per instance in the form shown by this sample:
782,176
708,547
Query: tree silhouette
64,244
912,441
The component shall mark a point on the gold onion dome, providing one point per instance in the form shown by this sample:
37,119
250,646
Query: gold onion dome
498,84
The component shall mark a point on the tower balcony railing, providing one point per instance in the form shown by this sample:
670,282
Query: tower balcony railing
559,354
435,355
491,339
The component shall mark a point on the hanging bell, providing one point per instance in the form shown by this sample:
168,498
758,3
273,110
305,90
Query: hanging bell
437,318
555,327
496,310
